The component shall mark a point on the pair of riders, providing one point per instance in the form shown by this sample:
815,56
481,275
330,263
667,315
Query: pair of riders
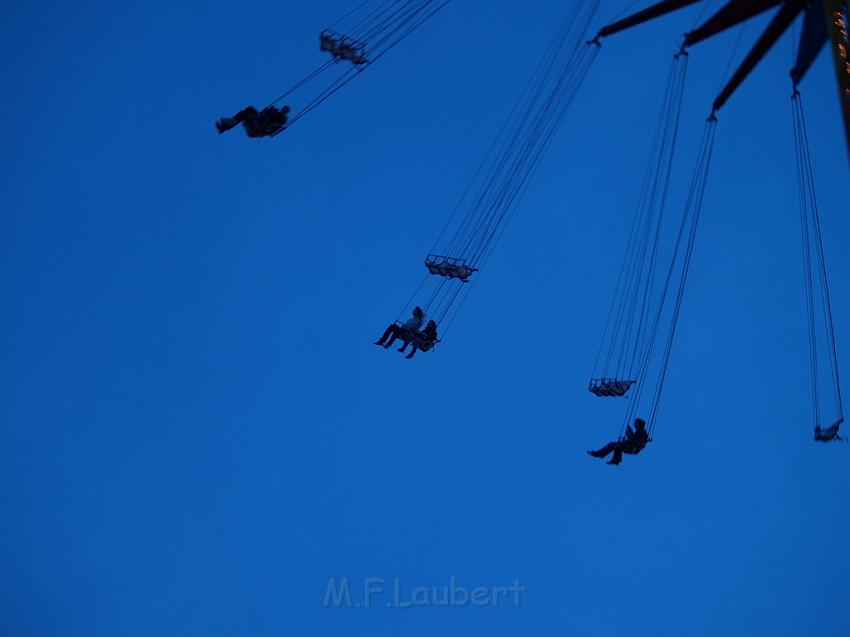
410,334
265,123
632,443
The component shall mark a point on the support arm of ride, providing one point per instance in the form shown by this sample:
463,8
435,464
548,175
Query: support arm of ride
650,13
734,12
781,21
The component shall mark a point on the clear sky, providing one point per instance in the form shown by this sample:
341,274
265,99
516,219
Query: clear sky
199,433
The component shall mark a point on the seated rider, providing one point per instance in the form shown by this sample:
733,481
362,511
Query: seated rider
270,121
402,331
632,443
423,340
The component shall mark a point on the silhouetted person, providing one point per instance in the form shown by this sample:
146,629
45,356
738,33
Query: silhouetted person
401,331
269,121
423,340
632,443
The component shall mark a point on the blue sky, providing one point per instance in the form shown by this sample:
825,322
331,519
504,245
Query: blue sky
199,432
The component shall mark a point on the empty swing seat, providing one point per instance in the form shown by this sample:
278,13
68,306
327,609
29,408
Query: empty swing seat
342,47
449,267
609,386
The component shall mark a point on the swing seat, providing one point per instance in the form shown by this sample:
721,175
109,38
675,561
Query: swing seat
415,337
342,47
449,267
422,343
609,386
828,434
631,448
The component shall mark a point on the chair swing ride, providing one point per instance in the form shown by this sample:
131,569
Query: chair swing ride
638,336
632,328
